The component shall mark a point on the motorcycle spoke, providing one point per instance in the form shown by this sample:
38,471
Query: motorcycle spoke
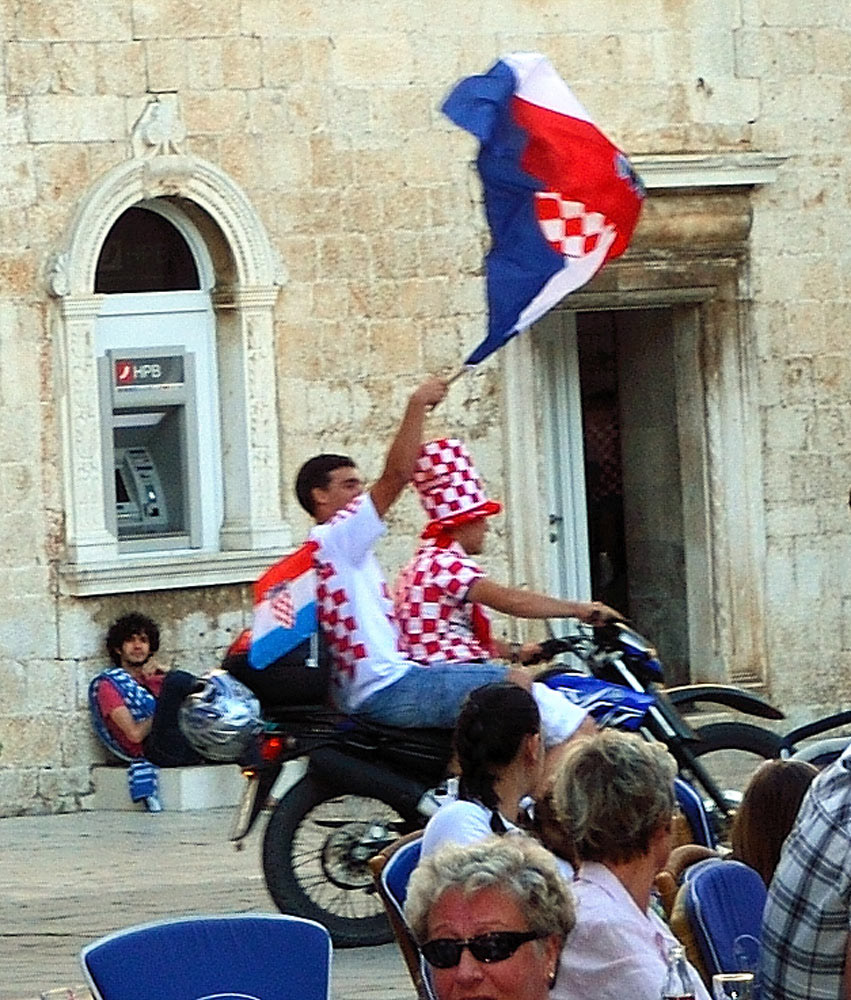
331,849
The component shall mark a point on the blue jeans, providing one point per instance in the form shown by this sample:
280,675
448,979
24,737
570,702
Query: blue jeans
429,697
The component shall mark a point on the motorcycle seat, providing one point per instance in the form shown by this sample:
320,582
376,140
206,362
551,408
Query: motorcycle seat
436,738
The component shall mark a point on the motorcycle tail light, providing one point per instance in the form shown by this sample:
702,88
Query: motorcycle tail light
271,748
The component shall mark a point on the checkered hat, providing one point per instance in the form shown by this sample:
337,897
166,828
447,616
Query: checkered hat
449,486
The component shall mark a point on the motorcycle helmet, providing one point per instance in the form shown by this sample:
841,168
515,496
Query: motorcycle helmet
221,719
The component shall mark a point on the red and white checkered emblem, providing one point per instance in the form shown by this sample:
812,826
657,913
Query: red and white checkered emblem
282,608
568,228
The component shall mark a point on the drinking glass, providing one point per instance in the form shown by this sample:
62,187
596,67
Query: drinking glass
732,986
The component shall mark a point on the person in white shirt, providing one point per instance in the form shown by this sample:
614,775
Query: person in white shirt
499,751
372,676
614,794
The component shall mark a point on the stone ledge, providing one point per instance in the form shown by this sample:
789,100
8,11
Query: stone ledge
181,788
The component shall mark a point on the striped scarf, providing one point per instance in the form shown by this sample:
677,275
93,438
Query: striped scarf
139,700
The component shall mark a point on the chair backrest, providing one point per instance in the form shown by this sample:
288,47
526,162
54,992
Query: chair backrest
391,870
267,956
694,811
724,901
399,867
99,724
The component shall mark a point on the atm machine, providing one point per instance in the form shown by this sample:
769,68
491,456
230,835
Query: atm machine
150,442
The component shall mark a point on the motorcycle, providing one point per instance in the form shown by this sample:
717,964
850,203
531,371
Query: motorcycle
365,784
624,689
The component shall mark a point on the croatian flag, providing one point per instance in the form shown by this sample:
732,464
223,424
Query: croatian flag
560,198
284,607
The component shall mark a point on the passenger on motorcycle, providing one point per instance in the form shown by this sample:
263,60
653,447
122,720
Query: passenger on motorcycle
373,677
441,595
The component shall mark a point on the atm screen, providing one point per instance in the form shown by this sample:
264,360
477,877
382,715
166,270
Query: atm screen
121,494
140,505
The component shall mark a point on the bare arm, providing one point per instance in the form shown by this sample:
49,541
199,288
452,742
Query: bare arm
134,731
402,456
528,604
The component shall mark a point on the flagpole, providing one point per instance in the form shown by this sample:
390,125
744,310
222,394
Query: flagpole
461,371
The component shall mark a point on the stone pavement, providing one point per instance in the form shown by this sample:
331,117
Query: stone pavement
66,880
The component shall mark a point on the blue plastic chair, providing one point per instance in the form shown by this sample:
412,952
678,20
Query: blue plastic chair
724,902
392,868
267,956
398,869
692,807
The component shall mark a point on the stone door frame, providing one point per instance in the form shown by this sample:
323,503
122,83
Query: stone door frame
689,254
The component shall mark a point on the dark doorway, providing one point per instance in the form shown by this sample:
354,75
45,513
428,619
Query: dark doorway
632,472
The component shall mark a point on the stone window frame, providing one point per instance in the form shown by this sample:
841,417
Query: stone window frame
249,275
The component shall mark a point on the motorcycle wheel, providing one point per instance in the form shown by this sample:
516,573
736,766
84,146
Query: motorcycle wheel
734,751
731,752
315,860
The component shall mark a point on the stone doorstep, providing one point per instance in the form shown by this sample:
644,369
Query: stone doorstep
209,786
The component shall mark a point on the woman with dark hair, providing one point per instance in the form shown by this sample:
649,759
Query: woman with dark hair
762,822
768,811
500,754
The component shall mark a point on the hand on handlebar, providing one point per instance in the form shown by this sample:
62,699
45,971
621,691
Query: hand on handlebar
598,613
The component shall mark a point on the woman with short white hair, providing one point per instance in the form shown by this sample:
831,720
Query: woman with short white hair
490,919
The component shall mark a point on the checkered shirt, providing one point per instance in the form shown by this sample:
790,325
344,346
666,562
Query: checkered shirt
808,913
432,610
354,606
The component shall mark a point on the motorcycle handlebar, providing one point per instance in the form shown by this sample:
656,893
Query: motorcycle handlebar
604,636
549,649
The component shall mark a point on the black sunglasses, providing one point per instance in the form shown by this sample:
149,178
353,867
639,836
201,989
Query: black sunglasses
445,953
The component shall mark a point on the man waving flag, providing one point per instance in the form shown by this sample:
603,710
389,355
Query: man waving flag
560,198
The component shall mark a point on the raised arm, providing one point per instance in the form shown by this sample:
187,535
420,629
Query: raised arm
402,455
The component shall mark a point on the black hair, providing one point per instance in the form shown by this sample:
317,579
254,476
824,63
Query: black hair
493,722
126,626
315,474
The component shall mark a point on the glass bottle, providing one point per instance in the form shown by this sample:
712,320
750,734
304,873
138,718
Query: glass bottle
678,984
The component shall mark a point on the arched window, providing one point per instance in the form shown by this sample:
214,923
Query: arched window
158,380
167,259
144,252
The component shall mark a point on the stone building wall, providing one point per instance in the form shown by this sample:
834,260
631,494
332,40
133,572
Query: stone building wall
326,115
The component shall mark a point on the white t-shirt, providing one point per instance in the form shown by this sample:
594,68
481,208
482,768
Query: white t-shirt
460,822
464,822
355,609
